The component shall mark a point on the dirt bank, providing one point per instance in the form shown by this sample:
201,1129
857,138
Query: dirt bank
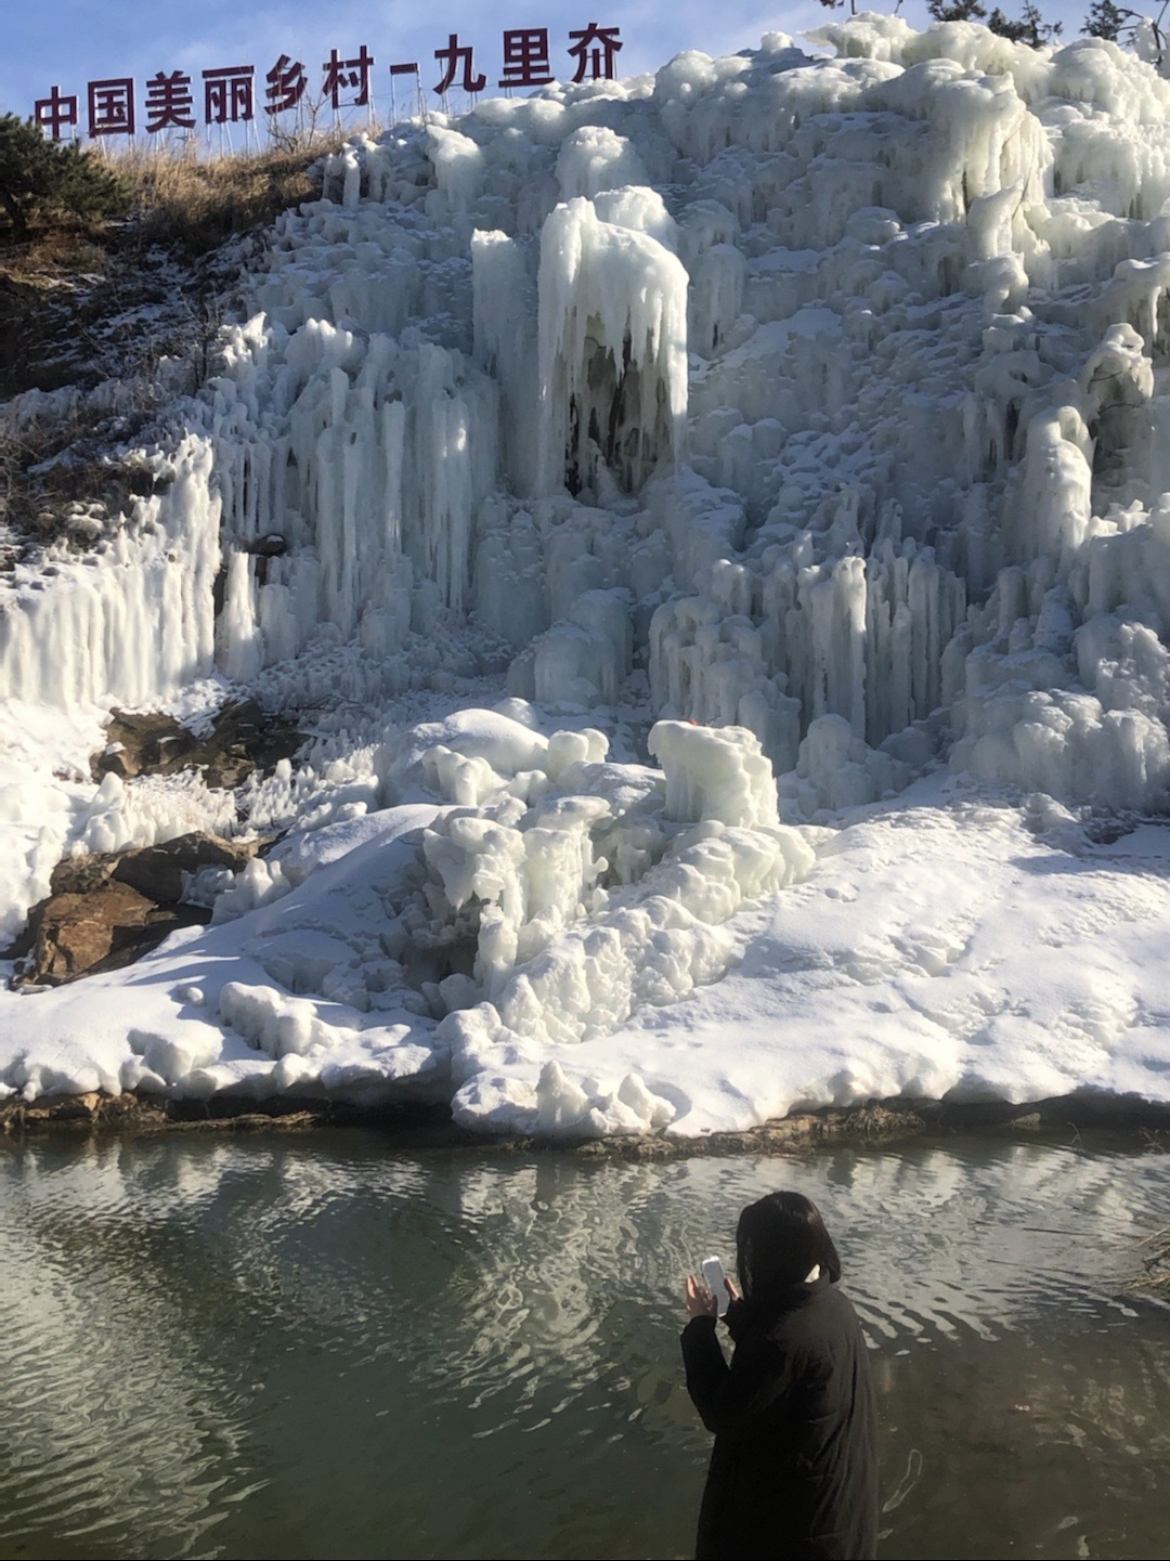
886,1121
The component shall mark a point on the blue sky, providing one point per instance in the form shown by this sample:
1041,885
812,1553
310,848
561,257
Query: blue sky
71,42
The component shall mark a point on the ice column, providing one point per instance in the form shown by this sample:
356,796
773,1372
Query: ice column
612,347
349,468
504,292
721,776
861,639
1054,500
133,621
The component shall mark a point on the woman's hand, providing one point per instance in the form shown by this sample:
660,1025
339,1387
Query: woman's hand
700,1301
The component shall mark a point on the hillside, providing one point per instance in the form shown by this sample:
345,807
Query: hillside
691,557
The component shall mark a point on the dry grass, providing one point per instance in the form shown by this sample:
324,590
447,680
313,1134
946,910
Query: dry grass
53,252
194,203
70,502
58,285
1154,1277
187,202
88,301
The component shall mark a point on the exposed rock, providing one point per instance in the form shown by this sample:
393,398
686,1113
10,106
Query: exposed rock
875,1122
416,1125
157,871
81,874
106,911
271,545
242,739
245,739
128,1113
143,744
79,1111
101,929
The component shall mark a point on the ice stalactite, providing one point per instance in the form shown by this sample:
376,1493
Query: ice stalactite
459,166
595,158
711,668
985,166
858,638
586,658
836,770
1053,503
457,471
504,280
1064,685
612,346
134,620
383,457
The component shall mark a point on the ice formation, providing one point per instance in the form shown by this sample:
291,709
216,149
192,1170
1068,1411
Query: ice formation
796,420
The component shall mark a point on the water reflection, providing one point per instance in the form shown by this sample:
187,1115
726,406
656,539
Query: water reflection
317,1348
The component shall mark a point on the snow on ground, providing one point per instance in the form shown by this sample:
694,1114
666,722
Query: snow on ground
942,948
944,945
716,529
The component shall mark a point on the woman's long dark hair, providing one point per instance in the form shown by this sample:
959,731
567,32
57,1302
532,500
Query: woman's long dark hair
778,1241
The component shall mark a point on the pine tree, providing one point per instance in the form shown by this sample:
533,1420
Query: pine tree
1031,28
40,178
1105,20
956,11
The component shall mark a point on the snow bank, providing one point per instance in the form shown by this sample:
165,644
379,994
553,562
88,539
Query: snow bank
897,968
566,895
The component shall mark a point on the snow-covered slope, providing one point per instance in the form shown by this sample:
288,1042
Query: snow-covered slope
636,488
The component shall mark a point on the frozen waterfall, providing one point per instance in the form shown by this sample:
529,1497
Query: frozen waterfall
795,420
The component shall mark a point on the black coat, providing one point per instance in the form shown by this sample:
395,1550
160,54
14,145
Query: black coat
794,1468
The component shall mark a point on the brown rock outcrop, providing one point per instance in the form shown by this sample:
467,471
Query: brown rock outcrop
106,911
101,929
81,874
242,739
155,871
147,743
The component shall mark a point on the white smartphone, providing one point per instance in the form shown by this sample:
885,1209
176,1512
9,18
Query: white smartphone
715,1280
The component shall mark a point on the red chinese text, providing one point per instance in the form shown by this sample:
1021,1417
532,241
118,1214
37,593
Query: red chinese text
111,107
595,51
53,112
457,55
169,102
354,74
229,95
286,85
526,58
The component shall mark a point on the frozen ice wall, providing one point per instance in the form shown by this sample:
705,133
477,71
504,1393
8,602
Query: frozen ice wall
132,620
809,408
817,367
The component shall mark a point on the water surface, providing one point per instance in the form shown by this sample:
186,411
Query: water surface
320,1348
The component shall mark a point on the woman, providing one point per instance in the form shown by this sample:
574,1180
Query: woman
794,1468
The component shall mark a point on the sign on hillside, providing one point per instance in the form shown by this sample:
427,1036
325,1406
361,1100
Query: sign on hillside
169,101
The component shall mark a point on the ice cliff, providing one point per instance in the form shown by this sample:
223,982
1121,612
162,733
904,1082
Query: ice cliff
798,421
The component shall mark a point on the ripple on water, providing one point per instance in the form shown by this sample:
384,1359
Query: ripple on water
318,1349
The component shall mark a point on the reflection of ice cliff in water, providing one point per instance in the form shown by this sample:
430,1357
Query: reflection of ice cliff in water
211,1302
164,1285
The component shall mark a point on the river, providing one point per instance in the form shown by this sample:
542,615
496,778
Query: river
261,1346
